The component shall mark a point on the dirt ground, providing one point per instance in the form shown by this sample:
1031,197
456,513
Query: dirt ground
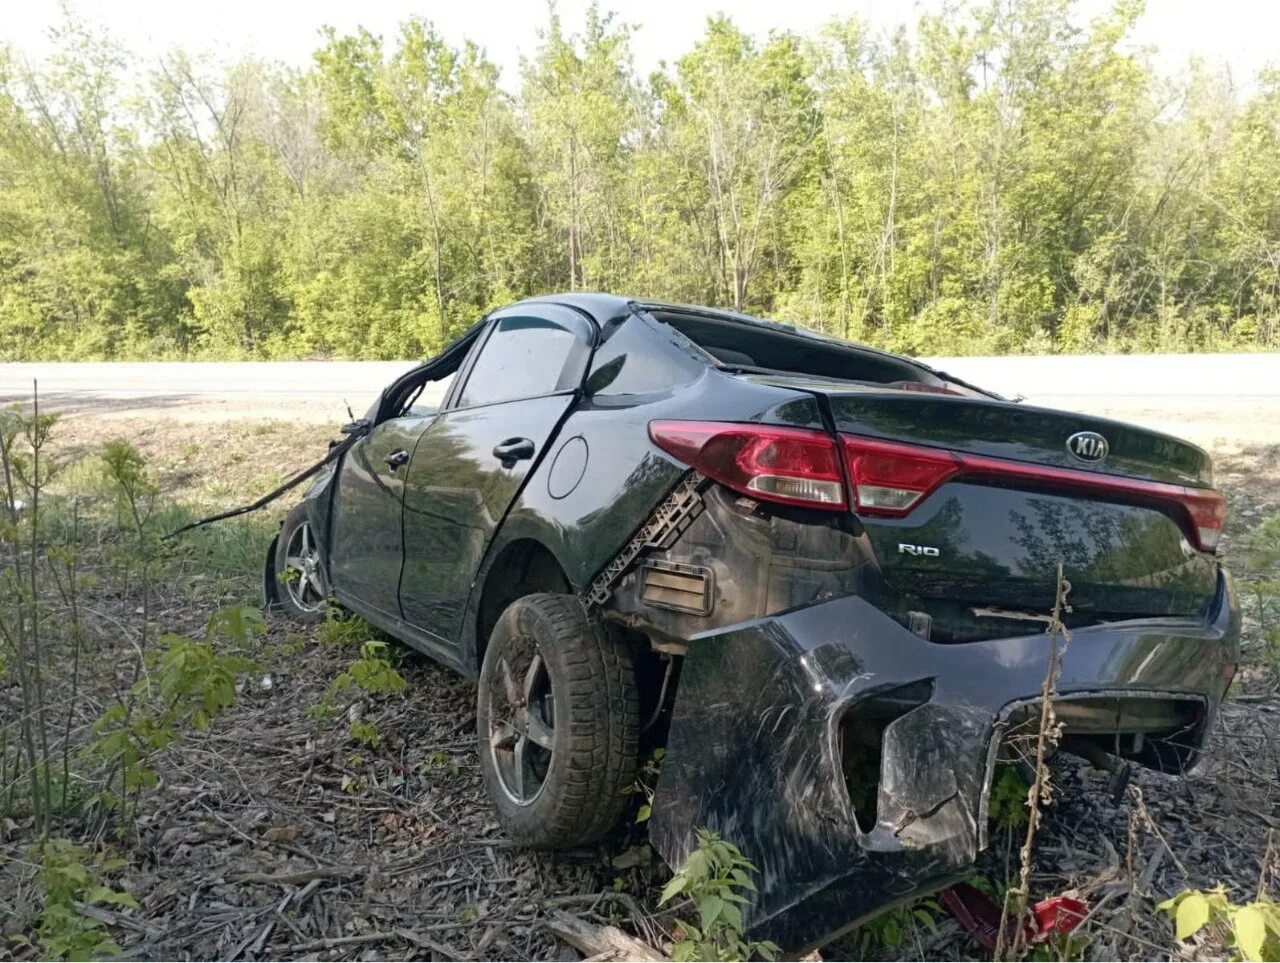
274,836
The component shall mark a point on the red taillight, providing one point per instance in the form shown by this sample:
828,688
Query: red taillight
901,475
800,466
1208,511
889,478
794,466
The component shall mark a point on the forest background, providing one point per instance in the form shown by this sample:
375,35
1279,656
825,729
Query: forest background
1001,178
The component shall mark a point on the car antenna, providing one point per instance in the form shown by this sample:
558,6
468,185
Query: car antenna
350,414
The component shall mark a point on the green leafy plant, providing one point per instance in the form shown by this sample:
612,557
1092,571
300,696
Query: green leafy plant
189,683
25,473
1007,804
893,928
1262,565
646,783
372,672
1252,929
713,879
366,732
438,759
343,629
70,877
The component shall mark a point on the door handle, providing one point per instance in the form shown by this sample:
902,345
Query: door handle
397,458
513,450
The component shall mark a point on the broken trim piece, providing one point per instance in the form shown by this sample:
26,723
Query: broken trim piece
335,452
669,520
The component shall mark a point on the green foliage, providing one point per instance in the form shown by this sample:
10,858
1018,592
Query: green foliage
1007,804
1007,176
647,782
438,759
70,875
1252,929
1262,578
188,684
367,733
893,929
340,628
25,473
372,672
714,878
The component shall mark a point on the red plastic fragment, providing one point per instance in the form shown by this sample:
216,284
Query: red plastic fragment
976,913
1057,915
980,917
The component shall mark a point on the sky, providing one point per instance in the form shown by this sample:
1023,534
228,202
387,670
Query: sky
1241,34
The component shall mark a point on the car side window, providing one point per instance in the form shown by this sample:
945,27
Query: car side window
638,359
526,356
426,398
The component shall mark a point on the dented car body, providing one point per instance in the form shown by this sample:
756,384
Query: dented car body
831,569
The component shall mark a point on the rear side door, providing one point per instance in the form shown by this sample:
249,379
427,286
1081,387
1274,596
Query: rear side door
471,461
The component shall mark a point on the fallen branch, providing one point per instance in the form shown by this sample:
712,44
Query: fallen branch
602,942
297,878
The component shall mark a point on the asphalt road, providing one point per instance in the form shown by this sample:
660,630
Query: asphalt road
1207,398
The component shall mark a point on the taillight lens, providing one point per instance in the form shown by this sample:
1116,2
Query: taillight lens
800,466
1208,511
793,466
889,478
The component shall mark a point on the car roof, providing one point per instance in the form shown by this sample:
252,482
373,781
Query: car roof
602,308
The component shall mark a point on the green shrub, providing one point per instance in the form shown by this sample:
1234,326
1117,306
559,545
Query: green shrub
69,876
714,878
1252,929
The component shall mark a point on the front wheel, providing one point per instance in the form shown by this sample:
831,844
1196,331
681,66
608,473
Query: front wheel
557,723
301,587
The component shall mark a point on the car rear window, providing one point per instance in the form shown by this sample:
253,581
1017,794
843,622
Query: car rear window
755,346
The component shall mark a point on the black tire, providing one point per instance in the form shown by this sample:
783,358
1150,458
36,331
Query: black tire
301,588
585,692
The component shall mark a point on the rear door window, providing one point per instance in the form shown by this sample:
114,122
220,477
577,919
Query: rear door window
527,356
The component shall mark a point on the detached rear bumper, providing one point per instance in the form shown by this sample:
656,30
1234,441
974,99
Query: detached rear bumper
756,746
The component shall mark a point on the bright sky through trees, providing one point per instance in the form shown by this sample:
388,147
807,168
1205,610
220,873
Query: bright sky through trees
1241,33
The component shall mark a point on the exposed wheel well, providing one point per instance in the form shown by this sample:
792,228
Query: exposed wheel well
525,567
522,568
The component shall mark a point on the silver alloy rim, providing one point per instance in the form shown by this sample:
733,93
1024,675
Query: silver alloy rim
302,576
522,723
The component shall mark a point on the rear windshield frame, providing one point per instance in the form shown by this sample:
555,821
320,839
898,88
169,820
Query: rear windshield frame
791,351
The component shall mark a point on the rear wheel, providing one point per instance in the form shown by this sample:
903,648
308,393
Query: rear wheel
301,587
558,723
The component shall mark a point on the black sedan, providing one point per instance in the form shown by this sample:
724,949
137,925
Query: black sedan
817,573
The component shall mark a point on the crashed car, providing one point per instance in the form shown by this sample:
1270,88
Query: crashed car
818,574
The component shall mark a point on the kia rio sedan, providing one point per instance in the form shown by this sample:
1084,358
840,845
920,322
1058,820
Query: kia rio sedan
818,574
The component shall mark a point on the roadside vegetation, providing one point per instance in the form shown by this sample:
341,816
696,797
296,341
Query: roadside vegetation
181,774
1012,177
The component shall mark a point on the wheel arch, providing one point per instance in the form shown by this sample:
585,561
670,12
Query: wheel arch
270,588
523,565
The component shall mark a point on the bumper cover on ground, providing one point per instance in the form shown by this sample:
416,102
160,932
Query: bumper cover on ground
754,750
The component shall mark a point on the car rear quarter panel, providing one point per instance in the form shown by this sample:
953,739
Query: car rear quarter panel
625,476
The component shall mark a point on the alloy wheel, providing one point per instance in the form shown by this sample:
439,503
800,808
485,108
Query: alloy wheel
303,577
522,721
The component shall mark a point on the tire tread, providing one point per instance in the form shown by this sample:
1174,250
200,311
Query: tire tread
598,760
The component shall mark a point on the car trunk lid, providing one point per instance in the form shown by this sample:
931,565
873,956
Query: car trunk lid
970,504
